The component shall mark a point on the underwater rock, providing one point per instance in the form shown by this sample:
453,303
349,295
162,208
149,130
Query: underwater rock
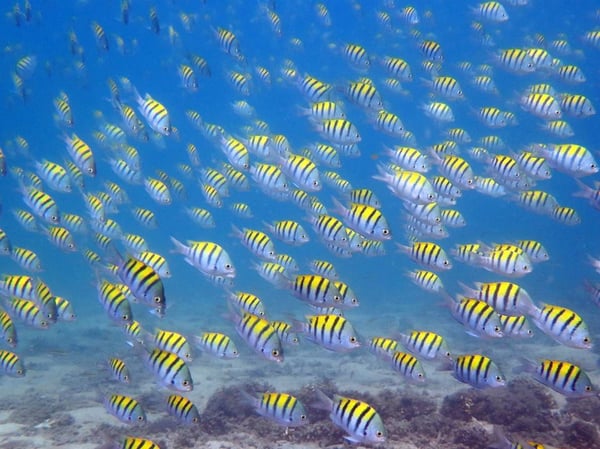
587,409
523,406
471,436
227,408
582,435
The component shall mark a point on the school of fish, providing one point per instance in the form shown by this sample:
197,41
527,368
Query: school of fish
402,199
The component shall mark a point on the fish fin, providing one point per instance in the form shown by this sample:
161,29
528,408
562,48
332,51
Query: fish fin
323,401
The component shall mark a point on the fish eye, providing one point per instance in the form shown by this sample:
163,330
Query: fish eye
497,329
336,298
469,181
385,231
228,266
529,332
275,353
90,170
125,317
140,418
586,339
194,420
354,301
185,383
353,339
379,433
499,378
420,375
588,388
302,417
157,299
20,371
54,218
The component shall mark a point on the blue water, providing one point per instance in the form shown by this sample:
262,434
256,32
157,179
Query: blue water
390,303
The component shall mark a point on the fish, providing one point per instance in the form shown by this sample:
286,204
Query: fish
10,364
288,231
158,191
358,419
426,344
478,371
183,409
100,35
324,268
561,376
259,335
145,284
114,302
207,257
156,115
55,176
364,219
408,365
5,244
478,318
229,43
27,259
172,342
505,297
157,262
316,290
247,302
515,326
572,159
169,369
562,325
339,131
259,243
130,442
125,409
118,370
331,332
428,254
284,331
407,185
383,347
302,171
81,154
506,262
41,204
8,331
28,312
60,237
217,344
282,408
